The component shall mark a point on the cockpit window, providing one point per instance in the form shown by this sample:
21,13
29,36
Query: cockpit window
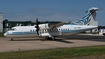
12,29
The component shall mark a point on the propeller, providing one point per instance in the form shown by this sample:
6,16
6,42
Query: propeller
37,26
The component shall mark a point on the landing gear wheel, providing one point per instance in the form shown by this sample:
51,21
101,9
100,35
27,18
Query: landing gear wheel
50,38
104,34
11,39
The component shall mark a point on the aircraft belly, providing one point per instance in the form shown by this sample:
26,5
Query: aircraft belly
67,33
50,33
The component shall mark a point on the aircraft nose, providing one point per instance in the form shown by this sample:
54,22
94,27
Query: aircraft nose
5,34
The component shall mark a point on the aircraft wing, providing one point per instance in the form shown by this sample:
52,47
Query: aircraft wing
56,25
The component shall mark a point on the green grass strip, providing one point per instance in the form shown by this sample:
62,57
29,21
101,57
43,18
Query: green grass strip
62,53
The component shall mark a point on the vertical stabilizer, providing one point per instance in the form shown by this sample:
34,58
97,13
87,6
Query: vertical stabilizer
89,18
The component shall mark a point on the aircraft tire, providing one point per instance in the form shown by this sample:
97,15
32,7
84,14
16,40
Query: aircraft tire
11,39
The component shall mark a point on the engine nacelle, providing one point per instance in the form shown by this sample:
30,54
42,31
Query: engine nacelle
44,26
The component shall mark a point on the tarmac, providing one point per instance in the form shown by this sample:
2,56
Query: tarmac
23,44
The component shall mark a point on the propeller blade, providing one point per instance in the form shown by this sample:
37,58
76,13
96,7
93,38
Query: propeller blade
37,26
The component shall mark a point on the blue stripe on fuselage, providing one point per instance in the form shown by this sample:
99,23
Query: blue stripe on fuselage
22,33
73,31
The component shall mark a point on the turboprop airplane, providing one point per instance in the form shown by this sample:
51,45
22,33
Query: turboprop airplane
53,30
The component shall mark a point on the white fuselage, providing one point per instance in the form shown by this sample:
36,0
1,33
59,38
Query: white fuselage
30,31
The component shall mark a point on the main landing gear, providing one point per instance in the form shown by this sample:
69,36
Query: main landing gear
12,39
51,38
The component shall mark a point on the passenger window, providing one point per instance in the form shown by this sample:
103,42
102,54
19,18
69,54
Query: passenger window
30,30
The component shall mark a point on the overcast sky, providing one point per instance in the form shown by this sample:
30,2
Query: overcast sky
50,10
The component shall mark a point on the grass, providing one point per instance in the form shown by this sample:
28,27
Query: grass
1,34
63,53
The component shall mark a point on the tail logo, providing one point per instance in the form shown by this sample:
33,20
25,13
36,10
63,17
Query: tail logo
85,20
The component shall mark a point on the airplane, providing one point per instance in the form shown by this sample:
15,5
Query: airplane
54,30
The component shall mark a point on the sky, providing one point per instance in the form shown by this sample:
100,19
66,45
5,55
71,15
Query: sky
50,10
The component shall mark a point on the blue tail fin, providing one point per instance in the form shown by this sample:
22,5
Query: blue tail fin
89,17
